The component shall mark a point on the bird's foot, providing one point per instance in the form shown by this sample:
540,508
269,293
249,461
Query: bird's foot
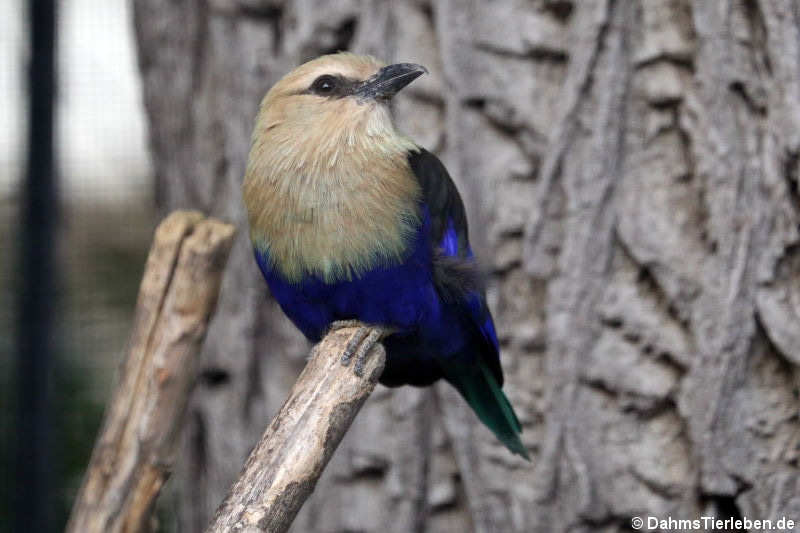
360,343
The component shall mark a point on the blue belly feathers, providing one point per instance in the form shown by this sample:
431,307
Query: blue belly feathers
402,296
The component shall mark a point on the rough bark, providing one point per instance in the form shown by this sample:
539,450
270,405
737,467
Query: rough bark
286,464
135,452
632,173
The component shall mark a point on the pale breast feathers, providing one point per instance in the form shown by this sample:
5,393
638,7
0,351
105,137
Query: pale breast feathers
333,209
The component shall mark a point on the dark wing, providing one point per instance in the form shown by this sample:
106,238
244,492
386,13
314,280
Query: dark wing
442,198
455,271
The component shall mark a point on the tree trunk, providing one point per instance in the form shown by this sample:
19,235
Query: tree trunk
632,173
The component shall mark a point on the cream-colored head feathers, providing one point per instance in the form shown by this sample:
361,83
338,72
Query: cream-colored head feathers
328,188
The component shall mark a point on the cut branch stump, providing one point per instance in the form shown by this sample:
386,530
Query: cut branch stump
134,453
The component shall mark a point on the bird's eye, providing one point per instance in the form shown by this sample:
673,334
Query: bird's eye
324,85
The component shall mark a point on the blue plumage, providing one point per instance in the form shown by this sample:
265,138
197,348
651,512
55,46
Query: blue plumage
402,296
399,295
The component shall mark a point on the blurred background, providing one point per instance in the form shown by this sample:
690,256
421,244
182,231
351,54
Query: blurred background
102,230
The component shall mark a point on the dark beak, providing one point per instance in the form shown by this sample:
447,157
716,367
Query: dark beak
389,80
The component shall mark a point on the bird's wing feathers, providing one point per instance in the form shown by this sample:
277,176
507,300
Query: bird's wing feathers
455,271
478,379
448,217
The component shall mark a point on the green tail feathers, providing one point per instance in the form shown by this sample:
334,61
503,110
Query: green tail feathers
481,391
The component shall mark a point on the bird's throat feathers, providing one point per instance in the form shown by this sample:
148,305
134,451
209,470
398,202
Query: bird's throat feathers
330,192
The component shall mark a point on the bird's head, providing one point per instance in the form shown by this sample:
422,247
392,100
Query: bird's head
330,104
328,188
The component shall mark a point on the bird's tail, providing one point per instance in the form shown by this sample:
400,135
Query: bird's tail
482,392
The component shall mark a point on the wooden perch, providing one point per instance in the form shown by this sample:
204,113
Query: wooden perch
134,454
284,467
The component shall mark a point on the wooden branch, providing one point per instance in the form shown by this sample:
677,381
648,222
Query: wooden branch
284,467
134,454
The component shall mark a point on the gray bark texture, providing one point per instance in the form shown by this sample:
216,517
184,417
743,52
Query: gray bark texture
632,173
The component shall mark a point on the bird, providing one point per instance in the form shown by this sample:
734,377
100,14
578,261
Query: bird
354,224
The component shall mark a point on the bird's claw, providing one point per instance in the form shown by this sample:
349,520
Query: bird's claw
373,337
359,344
352,345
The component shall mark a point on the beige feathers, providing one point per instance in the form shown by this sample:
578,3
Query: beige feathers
328,188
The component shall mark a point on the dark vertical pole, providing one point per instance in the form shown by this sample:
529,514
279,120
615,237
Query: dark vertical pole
35,328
